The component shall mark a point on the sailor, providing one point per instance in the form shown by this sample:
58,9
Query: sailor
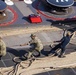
2,48
35,46
62,44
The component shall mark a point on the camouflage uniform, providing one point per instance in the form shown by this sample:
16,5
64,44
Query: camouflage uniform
36,45
2,48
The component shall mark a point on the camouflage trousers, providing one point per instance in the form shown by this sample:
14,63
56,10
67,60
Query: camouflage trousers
35,53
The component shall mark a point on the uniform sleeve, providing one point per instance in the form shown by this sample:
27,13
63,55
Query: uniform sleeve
72,35
62,39
30,41
3,47
33,41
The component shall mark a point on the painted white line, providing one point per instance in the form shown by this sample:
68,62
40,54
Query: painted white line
6,59
23,7
3,63
10,55
47,72
46,36
73,70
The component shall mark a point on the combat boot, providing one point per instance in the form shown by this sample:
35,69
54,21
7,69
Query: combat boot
29,55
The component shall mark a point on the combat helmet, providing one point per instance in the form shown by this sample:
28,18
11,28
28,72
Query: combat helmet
32,35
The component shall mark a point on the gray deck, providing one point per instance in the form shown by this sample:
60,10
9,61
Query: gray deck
24,10
13,50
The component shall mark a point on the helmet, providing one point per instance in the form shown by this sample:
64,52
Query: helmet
32,35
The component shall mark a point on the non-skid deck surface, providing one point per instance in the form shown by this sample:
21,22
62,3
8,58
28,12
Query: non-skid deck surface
46,38
7,61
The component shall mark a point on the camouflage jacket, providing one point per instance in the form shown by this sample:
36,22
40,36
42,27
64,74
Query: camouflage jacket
38,43
2,48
